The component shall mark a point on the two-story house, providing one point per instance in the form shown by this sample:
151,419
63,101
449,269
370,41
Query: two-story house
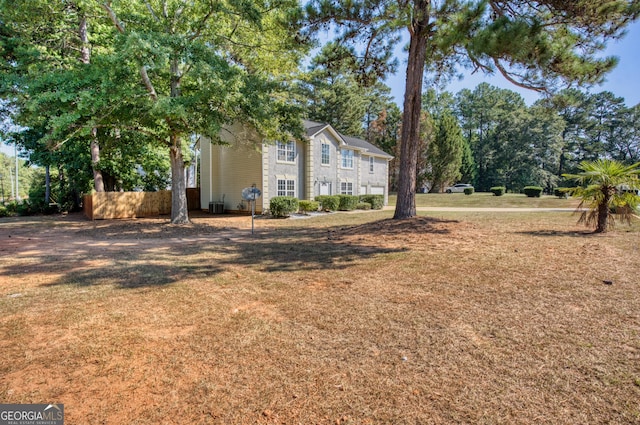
327,163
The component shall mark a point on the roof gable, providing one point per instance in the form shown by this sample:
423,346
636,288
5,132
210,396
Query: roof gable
312,128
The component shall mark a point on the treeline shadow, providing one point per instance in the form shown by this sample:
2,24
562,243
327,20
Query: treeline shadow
167,261
556,233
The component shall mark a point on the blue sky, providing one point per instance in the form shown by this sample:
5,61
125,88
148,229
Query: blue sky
623,81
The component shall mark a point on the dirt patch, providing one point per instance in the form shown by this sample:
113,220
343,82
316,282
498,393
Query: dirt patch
349,319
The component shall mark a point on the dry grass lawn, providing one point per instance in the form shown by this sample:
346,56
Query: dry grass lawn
338,319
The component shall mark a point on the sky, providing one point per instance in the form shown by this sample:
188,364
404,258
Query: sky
623,81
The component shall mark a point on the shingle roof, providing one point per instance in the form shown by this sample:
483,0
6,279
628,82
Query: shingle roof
314,127
363,144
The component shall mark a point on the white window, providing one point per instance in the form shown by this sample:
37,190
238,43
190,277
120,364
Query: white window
326,156
286,152
346,188
347,158
371,164
286,187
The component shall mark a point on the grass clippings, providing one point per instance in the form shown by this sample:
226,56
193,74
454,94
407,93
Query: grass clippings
344,318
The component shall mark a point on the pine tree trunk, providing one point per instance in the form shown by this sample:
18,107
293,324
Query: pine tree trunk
179,210
410,136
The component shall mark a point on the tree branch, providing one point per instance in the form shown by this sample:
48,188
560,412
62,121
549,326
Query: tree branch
505,74
147,83
143,70
153,13
113,17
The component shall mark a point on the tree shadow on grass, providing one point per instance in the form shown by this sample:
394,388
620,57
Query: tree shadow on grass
392,227
556,233
130,264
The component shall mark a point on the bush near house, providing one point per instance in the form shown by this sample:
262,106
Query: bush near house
283,206
363,206
15,208
376,201
308,206
468,190
348,202
498,190
561,192
533,191
328,202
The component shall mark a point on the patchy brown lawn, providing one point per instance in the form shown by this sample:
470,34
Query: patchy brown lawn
339,319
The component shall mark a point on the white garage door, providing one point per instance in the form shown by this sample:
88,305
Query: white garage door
377,190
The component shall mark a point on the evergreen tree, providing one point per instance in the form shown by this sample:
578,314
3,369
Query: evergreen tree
444,154
334,91
532,44
384,132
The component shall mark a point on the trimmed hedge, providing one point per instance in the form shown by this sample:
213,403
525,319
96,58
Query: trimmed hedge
348,202
561,192
376,201
363,206
328,202
283,206
533,191
308,206
498,190
468,190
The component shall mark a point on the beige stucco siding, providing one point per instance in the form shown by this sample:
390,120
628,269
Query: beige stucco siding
376,179
324,174
379,175
286,170
349,175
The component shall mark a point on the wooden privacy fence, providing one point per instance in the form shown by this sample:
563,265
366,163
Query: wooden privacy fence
110,205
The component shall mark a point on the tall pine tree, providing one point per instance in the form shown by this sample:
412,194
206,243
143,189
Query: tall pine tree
534,44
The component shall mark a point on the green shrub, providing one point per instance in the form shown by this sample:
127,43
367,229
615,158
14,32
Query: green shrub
468,190
24,208
498,190
4,212
561,192
363,206
283,206
308,206
348,202
533,191
376,201
328,202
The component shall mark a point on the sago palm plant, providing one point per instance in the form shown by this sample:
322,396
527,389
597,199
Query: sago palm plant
606,184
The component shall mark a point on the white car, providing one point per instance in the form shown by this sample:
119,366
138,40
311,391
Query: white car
458,188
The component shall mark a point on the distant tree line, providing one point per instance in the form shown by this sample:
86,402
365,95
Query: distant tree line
487,136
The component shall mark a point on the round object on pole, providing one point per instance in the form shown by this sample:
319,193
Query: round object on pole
251,193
